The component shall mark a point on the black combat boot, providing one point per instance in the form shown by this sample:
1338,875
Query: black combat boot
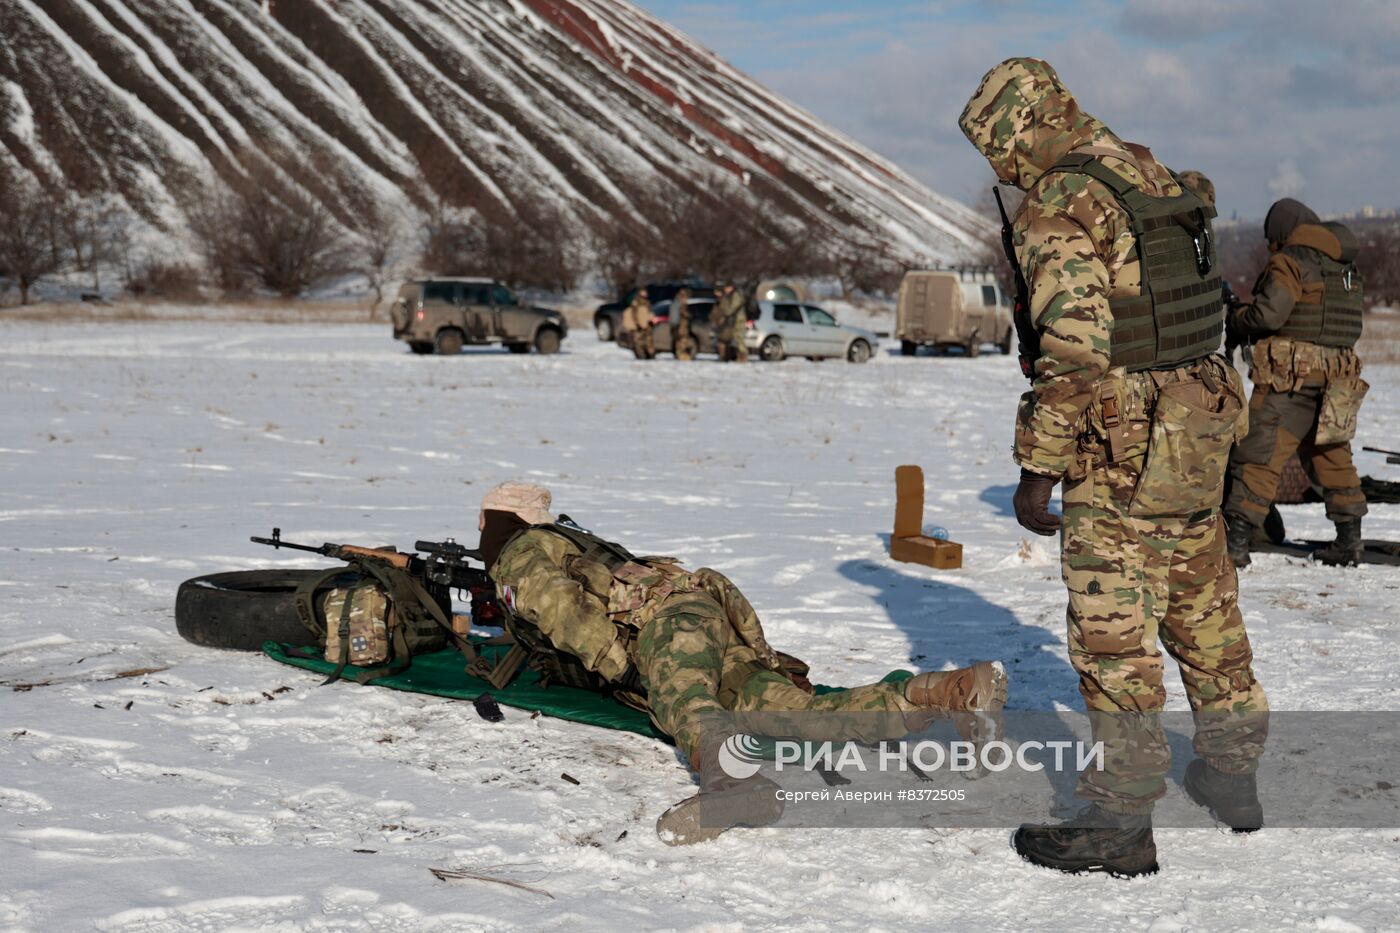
1232,799
1095,839
1346,550
1237,535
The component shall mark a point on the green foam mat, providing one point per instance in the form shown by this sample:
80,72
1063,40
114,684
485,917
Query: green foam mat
442,674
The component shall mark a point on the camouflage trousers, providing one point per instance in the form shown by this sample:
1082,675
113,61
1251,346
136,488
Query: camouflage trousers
1281,424
1132,582
682,341
644,343
695,664
731,348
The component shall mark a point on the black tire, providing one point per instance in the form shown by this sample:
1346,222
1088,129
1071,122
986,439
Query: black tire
547,341
772,350
421,347
858,352
974,347
1005,345
908,348
518,347
603,326
242,609
449,342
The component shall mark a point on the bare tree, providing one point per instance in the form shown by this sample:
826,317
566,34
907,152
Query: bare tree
872,270
262,229
532,247
31,245
1379,263
381,251
91,229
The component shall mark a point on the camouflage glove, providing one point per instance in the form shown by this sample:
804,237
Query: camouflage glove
1032,503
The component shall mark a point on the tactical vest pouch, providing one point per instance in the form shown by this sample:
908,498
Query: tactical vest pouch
1193,429
360,614
1341,403
368,615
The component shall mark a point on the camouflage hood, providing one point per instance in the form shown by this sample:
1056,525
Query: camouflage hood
1024,121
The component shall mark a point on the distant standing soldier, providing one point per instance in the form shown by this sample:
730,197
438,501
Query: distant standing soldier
1304,321
729,320
629,324
682,341
1134,409
643,344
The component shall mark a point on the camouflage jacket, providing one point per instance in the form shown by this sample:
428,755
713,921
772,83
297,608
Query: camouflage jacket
581,606
727,314
1075,245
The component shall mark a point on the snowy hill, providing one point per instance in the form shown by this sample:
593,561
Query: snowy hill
585,104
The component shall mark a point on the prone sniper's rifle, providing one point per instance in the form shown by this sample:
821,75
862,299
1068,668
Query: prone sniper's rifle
1391,456
1027,338
445,563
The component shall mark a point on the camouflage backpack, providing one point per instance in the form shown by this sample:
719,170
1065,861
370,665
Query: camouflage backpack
373,617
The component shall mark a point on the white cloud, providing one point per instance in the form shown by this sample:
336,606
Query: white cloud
1287,181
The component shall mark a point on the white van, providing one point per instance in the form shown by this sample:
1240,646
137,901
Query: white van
946,308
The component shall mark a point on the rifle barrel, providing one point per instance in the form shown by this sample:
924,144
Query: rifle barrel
279,543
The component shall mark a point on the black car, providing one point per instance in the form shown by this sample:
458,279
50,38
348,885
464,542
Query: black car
607,319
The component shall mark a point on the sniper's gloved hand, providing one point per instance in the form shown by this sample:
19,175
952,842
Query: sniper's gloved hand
1032,503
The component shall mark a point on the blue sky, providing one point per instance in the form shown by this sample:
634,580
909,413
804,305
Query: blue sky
1267,97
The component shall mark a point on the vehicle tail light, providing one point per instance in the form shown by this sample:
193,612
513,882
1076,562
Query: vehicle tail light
750,324
420,314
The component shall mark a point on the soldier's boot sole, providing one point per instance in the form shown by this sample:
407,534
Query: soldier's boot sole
1242,817
1126,865
707,816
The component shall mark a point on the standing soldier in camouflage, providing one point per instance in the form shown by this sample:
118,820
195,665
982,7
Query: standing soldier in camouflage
643,346
1134,410
1303,321
730,322
683,645
682,340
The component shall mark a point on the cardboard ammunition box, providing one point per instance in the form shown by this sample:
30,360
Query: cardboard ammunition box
908,543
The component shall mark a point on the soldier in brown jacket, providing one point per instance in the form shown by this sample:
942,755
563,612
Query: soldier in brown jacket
1304,320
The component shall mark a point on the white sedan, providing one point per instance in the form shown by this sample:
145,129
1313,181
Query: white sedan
785,329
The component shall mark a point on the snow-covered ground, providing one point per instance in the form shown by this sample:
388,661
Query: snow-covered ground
226,791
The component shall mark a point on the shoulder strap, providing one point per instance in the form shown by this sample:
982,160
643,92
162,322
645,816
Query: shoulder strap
608,552
305,599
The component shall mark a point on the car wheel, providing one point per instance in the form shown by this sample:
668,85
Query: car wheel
547,341
974,347
518,347
604,328
858,352
1005,345
421,347
449,342
772,350
908,348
